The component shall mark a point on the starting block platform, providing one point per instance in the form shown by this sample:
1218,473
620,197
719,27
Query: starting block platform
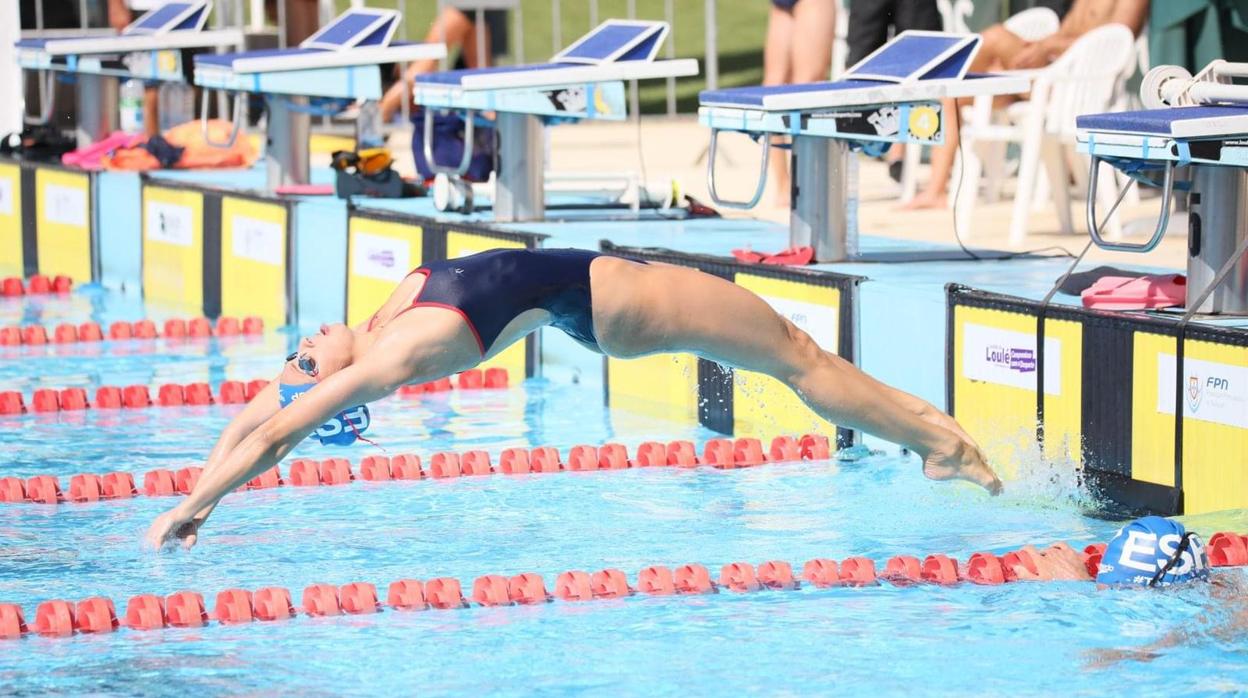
1199,123
152,48
341,61
891,96
148,49
584,81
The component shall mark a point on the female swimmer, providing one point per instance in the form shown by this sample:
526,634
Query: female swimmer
449,316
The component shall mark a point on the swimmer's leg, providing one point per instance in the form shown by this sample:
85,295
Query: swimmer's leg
726,323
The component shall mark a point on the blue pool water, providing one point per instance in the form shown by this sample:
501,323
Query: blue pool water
1017,639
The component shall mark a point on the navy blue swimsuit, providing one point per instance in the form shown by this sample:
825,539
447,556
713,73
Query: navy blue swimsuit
490,289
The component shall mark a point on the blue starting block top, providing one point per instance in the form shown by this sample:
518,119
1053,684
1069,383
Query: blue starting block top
340,61
914,66
147,48
584,81
1207,134
890,96
172,16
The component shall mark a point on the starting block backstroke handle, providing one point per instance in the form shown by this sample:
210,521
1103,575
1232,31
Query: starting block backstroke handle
237,120
47,100
469,145
762,174
1163,221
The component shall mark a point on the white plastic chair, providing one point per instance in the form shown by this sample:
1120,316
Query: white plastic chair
1086,79
1028,25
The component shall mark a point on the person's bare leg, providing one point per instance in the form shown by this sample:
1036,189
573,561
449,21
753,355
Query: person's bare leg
997,43
453,28
778,70
814,31
723,322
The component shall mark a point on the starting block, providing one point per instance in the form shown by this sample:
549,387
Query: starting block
584,81
891,96
341,61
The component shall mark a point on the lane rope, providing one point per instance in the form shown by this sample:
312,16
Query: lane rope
721,453
187,608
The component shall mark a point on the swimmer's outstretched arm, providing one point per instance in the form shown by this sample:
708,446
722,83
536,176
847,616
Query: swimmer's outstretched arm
257,411
273,439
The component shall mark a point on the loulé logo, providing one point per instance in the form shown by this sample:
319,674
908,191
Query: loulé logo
384,258
1013,358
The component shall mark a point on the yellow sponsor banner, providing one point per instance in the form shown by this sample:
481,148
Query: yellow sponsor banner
462,244
662,385
173,246
253,259
1215,426
761,405
995,376
63,223
1063,408
1152,430
11,261
380,254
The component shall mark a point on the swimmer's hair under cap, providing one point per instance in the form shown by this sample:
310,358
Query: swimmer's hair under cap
1153,552
342,429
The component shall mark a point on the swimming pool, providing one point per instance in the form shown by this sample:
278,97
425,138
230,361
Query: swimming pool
1017,638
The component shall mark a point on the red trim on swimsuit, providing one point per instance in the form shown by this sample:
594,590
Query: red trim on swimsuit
416,303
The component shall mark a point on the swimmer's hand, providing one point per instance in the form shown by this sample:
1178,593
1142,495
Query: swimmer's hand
172,526
1058,562
961,460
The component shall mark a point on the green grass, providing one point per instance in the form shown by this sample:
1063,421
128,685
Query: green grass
741,26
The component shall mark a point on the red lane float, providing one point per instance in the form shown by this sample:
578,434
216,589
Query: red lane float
122,330
37,284
339,471
59,618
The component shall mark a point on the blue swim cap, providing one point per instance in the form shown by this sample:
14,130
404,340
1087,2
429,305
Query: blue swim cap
1153,551
342,429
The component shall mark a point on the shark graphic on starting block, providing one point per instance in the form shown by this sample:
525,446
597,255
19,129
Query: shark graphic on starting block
891,96
584,81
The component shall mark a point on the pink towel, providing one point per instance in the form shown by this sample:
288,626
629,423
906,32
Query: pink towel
1138,293
92,156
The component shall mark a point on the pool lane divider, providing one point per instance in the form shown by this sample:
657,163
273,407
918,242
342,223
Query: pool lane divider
146,612
231,392
724,454
36,285
173,328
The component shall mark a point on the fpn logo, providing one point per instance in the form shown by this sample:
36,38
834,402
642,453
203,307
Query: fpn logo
1194,393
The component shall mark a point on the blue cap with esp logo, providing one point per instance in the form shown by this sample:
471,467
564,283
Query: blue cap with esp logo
342,429
1155,552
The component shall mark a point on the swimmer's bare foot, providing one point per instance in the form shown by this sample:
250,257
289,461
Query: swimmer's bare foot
926,200
961,460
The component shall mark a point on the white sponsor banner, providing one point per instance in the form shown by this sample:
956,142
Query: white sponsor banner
380,257
821,322
6,196
1005,357
257,240
65,205
170,223
1212,391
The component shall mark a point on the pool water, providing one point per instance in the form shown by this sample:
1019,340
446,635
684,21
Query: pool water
1017,639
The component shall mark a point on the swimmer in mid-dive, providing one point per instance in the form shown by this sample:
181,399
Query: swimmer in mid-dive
449,316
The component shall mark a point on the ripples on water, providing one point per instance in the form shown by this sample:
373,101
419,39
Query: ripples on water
1016,639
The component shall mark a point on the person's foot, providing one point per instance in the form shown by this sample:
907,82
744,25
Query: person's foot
960,460
926,200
